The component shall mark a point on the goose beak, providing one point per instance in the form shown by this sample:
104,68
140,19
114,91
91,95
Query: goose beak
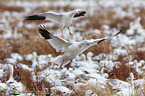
88,43
77,12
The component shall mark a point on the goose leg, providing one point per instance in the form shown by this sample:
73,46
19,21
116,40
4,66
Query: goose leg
61,64
68,65
62,33
70,32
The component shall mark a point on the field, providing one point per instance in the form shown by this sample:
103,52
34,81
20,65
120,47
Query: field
114,67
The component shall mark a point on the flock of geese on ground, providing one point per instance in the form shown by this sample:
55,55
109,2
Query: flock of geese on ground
70,49
17,88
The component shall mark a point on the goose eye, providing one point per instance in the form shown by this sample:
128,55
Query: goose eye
87,43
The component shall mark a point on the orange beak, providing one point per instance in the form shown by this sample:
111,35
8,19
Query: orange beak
88,43
77,12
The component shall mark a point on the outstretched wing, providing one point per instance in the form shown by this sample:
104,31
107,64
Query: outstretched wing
109,36
97,41
52,16
58,43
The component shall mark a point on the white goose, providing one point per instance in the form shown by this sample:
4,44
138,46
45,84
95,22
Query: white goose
88,93
11,70
63,19
11,82
89,55
3,86
86,63
72,49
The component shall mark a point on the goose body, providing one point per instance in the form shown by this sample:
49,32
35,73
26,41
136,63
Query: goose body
70,49
63,19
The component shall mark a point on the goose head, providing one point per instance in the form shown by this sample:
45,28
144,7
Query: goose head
10,68
84,44
79,12
88,93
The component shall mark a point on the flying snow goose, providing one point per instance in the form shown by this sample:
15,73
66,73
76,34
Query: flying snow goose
72,49
63,19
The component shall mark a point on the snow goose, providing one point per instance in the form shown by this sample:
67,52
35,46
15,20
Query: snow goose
63,19
62,89
72,49
85,62
87,65
89,57
10,68
88,93
11,82
94,94
3,86
1,72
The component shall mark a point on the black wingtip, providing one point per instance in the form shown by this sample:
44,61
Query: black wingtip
110,36
118,32
80,14
101,41
44,32
35,17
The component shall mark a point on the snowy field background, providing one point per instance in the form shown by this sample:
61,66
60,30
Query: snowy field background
112,68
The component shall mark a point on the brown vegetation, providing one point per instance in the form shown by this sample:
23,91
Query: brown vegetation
122,72
138,55
78,93
4,7
4,49
25,76
50,8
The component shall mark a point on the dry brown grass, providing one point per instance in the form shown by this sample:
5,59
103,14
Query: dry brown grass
138,55
97,20
25,47
106,91
5,77
27,62
78,93
26,78
122,72
23,76
1,31
4,7
29,43
4,49
58,8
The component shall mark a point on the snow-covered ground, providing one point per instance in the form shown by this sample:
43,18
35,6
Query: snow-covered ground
119,72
